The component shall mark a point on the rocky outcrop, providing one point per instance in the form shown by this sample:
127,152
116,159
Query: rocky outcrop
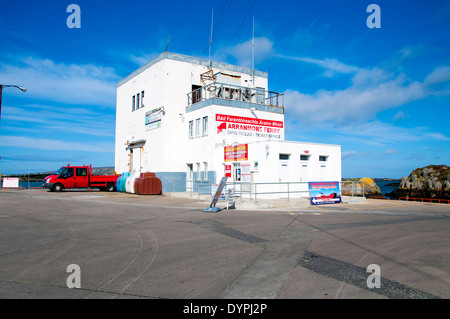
432,181
354,187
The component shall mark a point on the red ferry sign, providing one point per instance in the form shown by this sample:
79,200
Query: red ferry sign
249,127
235,152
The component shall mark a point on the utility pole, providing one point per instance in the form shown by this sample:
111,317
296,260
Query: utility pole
1,90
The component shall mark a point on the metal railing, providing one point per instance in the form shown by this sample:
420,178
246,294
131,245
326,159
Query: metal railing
252,191
255,191
357,189
237,93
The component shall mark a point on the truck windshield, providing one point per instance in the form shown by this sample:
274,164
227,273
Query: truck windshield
59,171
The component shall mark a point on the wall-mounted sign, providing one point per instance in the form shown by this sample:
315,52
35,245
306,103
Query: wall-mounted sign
153,119
245,172
235,152
230,125
228,171
324,193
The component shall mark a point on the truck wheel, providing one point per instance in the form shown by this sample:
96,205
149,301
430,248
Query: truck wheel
58,188
110,187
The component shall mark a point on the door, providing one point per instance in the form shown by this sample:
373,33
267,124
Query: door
237,172
68,175
81,178
136,159
190,178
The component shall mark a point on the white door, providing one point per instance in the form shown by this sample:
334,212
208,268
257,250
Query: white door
137,159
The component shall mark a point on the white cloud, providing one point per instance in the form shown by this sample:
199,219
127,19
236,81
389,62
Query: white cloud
331,66
349,153
372,91
400,116
390,152
55,119
85,84
242,52
53,145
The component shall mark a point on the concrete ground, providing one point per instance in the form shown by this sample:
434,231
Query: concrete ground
132,246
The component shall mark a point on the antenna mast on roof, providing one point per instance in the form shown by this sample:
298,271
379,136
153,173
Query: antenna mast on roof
167,46
210,38
253,52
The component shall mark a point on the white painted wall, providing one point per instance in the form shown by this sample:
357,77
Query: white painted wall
168,149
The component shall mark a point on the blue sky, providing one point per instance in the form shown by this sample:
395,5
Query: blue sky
383,94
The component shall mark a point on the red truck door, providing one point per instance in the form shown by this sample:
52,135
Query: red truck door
68,176
81,177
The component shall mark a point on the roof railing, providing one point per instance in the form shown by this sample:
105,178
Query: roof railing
237,93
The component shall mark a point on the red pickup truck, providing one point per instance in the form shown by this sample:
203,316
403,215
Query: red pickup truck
79,177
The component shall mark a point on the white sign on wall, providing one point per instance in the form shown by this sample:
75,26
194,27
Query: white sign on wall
153,119
10,182
245,172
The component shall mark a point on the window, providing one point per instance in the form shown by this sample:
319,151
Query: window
137,101
191,129
205,171
205,125
304,157
196,94
197,127
323,158
189,172
198,171
284,156
81,171
67,172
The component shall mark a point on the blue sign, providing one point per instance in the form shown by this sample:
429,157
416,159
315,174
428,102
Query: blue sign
321,193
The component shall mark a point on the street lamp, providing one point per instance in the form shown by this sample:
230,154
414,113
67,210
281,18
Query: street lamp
5,86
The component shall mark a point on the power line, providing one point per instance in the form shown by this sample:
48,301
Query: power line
240,26
223,13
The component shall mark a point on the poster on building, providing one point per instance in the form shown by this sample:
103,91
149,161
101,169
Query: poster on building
153,119
228,171
245,172
235,152
10,182
324,193
238,126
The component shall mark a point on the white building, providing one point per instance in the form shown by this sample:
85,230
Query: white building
189,119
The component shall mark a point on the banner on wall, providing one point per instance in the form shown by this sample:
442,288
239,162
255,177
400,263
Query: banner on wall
235,152
245,172
153,119
230,125
324,193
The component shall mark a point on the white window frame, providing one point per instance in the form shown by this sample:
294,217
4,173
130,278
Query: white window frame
308,157
198,171
191,129
205,171
197,127
205,126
